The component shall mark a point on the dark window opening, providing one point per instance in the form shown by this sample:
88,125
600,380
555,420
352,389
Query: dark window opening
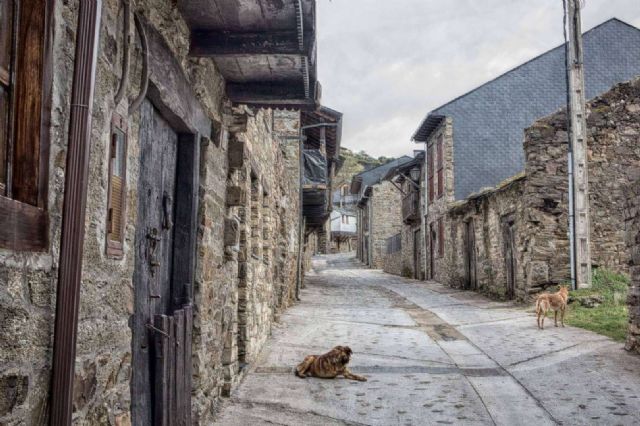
117,187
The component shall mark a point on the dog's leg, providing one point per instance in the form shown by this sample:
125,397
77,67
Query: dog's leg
555,317
303,367
542,317
349,375
562,315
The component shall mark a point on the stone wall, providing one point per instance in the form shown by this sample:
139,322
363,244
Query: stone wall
392,263
632,228
614,155
486,212
386,220
103,363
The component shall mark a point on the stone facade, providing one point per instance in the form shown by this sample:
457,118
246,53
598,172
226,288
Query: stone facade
485,215
239,288
438,223
385,221
633,243
535,203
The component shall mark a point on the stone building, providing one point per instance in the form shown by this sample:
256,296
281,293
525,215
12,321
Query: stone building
322,131
141,276
406,257
344,221
379,212
487,226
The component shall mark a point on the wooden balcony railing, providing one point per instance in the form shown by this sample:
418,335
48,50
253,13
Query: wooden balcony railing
411,207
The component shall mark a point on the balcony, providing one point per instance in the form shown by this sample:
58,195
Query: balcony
346,229
411,207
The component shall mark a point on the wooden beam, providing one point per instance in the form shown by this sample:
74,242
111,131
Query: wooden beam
218,43
289,90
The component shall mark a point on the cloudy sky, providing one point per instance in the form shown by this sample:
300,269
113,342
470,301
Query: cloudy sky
386,63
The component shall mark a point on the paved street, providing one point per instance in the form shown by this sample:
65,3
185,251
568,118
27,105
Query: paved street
433,355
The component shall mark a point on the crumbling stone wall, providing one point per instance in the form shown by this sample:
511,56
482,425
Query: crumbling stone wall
487,211
613,139
632,228
103,363
386,220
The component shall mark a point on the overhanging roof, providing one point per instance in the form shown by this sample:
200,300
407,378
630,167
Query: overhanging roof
265,49
373,176
403,169
428,125
333,134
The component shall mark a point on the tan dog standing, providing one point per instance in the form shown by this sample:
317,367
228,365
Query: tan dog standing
556,301
328,366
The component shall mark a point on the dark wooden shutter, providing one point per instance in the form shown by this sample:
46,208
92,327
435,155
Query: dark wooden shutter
25,165
6,48
431,172
117,186
440,155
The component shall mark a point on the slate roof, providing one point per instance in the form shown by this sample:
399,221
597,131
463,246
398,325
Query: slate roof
375,175
489,121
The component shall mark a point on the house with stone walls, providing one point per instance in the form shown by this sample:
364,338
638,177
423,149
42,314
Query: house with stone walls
322,133
344,221
379,212
406,257
491,228
149,201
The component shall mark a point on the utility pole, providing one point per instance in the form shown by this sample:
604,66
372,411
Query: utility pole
579,181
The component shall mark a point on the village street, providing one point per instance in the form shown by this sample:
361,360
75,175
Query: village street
432,355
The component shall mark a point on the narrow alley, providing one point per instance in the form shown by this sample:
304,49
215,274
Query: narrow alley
432,355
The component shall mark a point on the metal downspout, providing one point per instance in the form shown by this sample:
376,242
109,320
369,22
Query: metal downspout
74,211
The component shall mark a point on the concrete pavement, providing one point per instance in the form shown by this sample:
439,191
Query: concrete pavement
433,355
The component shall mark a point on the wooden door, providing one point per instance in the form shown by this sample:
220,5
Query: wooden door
432,251
508,238
471,282
164,247
416,255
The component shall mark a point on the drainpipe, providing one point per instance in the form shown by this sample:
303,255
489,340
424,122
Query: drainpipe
73,213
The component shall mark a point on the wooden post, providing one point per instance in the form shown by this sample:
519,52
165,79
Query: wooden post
578,145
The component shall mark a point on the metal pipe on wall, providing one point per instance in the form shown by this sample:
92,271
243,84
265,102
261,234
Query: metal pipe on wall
73,213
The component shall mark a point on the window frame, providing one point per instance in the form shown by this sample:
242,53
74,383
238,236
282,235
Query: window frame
115,248
25,223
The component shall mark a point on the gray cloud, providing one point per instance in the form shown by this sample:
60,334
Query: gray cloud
385,64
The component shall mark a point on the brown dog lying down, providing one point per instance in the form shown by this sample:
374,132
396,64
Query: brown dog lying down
328,366
556,301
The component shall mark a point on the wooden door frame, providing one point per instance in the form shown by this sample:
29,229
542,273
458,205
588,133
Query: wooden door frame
470,260
172,95
416,254
507,224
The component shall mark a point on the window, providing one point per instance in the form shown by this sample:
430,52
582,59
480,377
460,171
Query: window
117,186
440,159
440,238
430,171
25,96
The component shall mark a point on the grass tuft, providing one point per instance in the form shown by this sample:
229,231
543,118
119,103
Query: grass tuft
611,318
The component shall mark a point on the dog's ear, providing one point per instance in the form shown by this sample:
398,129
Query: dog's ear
348,350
